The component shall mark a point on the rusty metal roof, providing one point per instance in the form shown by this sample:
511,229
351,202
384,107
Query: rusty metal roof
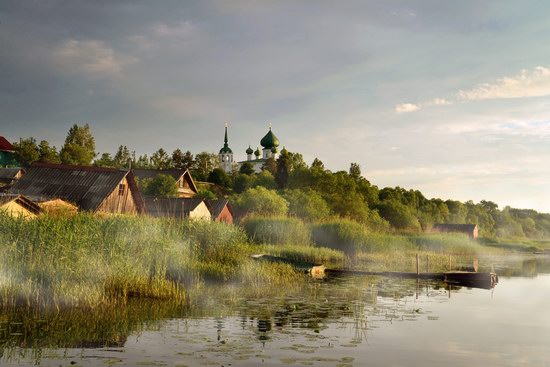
87,187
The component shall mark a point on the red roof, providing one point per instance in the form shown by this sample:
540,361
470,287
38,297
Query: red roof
5,145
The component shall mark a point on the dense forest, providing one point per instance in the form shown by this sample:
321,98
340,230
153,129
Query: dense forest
290,186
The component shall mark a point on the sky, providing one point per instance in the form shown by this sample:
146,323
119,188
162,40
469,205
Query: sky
448,97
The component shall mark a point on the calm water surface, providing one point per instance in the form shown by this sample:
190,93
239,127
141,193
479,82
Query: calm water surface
352,321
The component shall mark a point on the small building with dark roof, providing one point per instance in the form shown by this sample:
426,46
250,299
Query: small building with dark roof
7,154
471,230
8,176
95,189
221,210
184,182
18,206
178,208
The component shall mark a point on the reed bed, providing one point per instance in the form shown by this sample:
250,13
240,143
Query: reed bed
277,231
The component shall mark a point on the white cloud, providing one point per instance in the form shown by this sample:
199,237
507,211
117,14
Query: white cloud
93,57
406,107
528,83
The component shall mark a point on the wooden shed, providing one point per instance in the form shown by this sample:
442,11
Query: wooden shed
95,189
221,210
178,208
184,182
18,206
471,230
8,176
55,206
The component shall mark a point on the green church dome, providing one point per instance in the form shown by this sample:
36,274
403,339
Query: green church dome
249,150
274,150
257,152
269,140
225,149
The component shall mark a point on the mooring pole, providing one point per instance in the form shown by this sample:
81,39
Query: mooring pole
417,272
449,262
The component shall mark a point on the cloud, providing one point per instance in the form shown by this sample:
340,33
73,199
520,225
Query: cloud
406,107
92,57
535,83
526,84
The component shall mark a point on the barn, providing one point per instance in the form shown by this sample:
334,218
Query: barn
221,210
178,208
471,230
94,189
18,206
184,182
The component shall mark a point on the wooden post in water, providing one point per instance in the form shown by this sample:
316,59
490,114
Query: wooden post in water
417,271
450,263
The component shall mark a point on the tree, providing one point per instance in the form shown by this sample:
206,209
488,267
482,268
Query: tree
26,151
317,164
246,168
79,147
105,161
47,154
219,177
160,160
270,166
206,194
161,185
398,215
306,204
260,201
204,163
122,157
241,183
283,169
178,159
355,171
142,162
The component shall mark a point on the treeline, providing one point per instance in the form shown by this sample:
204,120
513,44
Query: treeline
290,186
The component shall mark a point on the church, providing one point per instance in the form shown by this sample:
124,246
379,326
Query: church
257,159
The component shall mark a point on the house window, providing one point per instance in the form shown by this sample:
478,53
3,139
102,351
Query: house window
121,189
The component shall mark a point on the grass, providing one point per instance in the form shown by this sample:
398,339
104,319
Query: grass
85,261
277,230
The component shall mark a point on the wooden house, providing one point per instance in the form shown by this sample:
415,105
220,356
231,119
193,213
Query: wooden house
95,189
18,206
184,182
221,210
8,176
178,208
471,230
7,154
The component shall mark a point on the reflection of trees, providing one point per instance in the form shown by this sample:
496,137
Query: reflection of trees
525,267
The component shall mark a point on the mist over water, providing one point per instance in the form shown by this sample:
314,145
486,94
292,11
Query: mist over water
343,321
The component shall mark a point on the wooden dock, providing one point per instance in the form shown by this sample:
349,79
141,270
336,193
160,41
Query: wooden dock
470,279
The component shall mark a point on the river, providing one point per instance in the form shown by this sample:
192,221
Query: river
347,321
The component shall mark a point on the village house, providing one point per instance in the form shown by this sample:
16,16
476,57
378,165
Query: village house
178,208
221,210
7,154
18,206
94,189
184,182
471,230
8,176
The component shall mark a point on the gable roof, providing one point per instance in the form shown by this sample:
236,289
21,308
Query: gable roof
177,174
85,186
6,145
172,207
216,207
9,173
21,200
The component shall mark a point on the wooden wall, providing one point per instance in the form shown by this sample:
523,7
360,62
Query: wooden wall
119,204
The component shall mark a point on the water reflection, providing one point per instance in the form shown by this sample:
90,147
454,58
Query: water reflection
319,322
